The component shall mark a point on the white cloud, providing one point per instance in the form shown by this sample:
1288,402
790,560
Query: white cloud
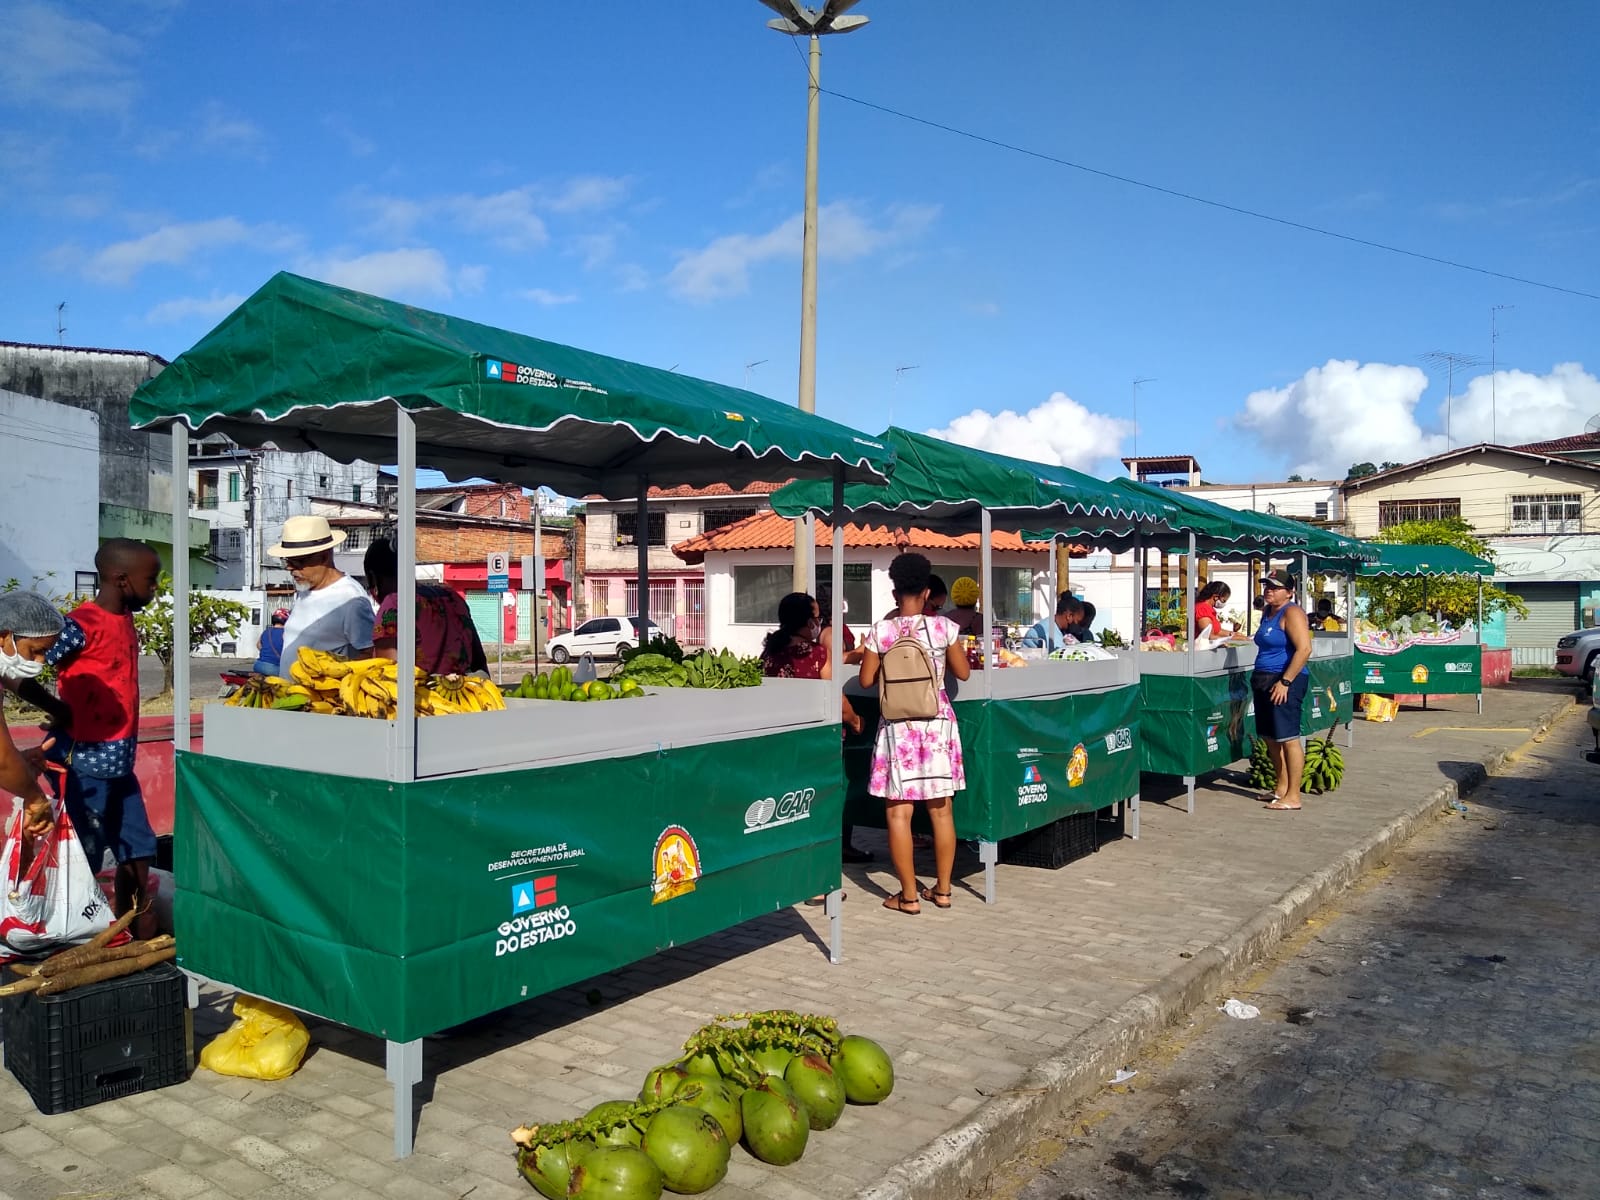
417,272
1521,407
222,130
586,193
1060,432
56,61
723,267
176,244
548,298
358,144
193,306
506,218
1341,413
1346,412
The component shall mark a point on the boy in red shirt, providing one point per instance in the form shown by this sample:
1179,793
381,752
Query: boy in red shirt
96,722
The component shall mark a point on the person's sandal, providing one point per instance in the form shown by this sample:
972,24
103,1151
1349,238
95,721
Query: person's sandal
898,903
937,899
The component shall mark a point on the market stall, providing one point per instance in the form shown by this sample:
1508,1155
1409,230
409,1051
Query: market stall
1195,697
1420,654
403,875
1042,739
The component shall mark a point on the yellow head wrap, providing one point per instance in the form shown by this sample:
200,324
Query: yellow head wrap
964,591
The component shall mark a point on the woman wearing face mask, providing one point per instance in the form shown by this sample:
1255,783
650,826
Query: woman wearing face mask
792,650
29,626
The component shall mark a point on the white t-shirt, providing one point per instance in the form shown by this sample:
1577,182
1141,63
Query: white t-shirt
337,618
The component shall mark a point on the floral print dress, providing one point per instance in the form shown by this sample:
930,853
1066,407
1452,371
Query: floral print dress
918,760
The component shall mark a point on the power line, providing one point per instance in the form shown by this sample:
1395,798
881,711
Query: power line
1194,199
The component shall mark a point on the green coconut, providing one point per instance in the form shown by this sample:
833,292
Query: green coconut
773,1060
864,1069
624,1132
689,1146
719,1097
817,1087
776,1124
703,1063
662,1082
615,1173
549,1168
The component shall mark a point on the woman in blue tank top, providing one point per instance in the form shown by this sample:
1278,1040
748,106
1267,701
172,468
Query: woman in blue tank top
1283,647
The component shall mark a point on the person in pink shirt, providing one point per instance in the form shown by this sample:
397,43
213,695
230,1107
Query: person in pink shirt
447,640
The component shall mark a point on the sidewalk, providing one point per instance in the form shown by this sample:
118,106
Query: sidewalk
994,1014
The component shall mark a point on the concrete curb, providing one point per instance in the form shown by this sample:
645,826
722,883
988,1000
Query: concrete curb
948,1167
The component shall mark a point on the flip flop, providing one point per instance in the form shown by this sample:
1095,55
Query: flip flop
1276,807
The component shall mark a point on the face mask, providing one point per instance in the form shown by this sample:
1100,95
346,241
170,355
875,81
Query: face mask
14,666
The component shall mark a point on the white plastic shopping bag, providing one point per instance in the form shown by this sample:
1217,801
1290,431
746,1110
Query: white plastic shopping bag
55,902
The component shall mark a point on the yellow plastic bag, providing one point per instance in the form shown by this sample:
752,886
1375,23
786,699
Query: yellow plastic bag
1381,708
267,1041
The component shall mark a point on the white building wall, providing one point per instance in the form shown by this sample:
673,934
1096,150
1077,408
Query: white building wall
49,492
1284,499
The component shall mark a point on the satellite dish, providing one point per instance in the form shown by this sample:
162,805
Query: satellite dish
1594,424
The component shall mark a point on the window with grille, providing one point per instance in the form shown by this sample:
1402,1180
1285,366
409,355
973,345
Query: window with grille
1322,510
628,529
355,492
356,539
1396,512
1560,512
719,518
233,487
756,592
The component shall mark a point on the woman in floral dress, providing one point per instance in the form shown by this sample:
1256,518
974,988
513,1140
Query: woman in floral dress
917,761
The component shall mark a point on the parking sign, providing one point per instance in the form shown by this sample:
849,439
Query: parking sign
498,568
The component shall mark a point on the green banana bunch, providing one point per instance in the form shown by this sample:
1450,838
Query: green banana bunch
1262,774
1324,770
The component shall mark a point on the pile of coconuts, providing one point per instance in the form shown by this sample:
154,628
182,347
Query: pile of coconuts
766,1079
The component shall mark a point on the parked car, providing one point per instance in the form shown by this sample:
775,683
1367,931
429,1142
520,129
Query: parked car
603,637
1578,653
1594,709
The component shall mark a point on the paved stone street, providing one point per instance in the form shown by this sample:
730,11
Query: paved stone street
970,1002
1433,1034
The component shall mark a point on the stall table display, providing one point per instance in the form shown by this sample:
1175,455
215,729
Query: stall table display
405,875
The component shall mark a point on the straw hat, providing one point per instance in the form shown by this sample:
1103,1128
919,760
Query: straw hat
305,535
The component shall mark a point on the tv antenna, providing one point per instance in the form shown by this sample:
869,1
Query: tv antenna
1494,337
1594,424
1136,384
61,323
894,391
1450,361
751,366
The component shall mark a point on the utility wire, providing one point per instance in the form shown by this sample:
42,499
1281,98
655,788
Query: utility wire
1192,198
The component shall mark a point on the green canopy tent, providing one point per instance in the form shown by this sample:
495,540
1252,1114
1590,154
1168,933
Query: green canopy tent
958,489
1439,669
307,366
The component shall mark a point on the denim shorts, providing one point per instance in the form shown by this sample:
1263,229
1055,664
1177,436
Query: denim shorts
109,814
1279,722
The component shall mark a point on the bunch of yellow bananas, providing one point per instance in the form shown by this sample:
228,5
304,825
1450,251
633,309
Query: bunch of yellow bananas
462,694
370,687
269,691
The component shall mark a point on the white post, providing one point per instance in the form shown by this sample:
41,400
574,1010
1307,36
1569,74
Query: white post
403,766
1480,645
1136,569
811,558
986,567
834,705
1190,579
808,287
641,540
181,724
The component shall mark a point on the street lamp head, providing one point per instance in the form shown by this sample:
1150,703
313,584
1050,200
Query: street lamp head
796,19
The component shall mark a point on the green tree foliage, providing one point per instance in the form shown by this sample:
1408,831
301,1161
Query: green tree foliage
209,617
1361,470
1453,599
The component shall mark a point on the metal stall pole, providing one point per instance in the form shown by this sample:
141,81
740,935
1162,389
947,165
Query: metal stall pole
1136,570
641,540
833,903
1480,645
1425,610
403,1060
182,723
988,852
1350,629
1189,577
810,520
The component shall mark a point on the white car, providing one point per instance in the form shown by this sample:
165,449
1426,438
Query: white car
603,637
1578,652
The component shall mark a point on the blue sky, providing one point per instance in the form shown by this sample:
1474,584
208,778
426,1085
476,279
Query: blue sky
628,179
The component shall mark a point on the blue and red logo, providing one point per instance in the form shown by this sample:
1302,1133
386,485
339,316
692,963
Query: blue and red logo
527,895
1030,774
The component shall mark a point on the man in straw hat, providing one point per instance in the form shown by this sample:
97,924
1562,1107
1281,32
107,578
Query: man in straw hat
29,626
331,611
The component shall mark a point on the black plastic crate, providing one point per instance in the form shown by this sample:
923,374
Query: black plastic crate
100,1041
1054,845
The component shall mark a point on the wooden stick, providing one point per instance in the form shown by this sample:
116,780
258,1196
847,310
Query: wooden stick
99,972
55,966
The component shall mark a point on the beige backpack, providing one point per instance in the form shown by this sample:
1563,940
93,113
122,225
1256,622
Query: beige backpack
908,688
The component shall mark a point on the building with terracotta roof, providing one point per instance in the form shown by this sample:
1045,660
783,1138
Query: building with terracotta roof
749,566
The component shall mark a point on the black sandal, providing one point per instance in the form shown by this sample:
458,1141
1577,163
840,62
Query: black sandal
898,903
937,899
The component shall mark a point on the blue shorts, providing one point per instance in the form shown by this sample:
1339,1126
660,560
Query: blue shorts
109,814
1279,722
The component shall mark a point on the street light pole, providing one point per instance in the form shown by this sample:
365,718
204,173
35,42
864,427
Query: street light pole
796,20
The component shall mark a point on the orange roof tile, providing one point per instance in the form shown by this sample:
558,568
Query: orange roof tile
769,531
688,492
